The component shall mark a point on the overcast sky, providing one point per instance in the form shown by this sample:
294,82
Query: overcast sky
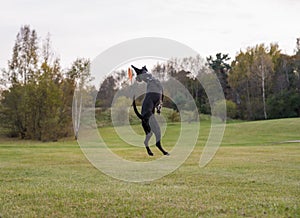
86,28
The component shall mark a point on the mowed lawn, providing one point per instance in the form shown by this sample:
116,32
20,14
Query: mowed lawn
255,173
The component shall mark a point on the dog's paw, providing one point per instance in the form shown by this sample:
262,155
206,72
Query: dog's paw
166,153
149,151
150,154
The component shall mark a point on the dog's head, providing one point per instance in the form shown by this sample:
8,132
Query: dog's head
139,72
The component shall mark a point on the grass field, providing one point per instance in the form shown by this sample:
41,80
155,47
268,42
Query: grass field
255,173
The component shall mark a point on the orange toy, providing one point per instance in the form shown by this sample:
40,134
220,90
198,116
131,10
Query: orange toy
130,74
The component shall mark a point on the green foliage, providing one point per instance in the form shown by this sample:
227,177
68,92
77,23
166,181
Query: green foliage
23,65
188,116
106,93
225,109
174,117
231,109
38,99
219,110
120,110
284,104
104,115
251,79
179,101
12,110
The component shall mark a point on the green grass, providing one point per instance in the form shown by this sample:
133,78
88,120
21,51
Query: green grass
254,174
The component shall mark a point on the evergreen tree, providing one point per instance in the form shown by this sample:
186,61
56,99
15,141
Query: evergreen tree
107,92
221,68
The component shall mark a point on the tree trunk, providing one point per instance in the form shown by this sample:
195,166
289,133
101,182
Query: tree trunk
263,91
249,102
77,113
78,117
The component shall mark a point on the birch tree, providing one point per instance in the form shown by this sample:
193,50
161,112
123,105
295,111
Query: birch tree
251,77
240,80
80,74
263,67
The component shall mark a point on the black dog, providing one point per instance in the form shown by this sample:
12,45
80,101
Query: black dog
152,100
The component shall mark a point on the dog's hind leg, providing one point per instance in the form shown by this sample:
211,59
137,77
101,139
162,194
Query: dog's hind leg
146,143
147,138
156,130
158,145
148,132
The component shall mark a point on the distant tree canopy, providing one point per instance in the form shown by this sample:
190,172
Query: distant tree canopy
259,77
37,101
260,83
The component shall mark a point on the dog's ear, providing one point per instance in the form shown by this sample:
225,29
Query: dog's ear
139,71
145,68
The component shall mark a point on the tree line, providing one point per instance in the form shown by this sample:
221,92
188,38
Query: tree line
260,83
37,95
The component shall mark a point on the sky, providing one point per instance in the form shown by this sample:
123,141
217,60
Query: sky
87,28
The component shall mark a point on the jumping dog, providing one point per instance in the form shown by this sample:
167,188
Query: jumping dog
152,100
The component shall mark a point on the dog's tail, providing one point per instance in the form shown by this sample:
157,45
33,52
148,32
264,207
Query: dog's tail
135,109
